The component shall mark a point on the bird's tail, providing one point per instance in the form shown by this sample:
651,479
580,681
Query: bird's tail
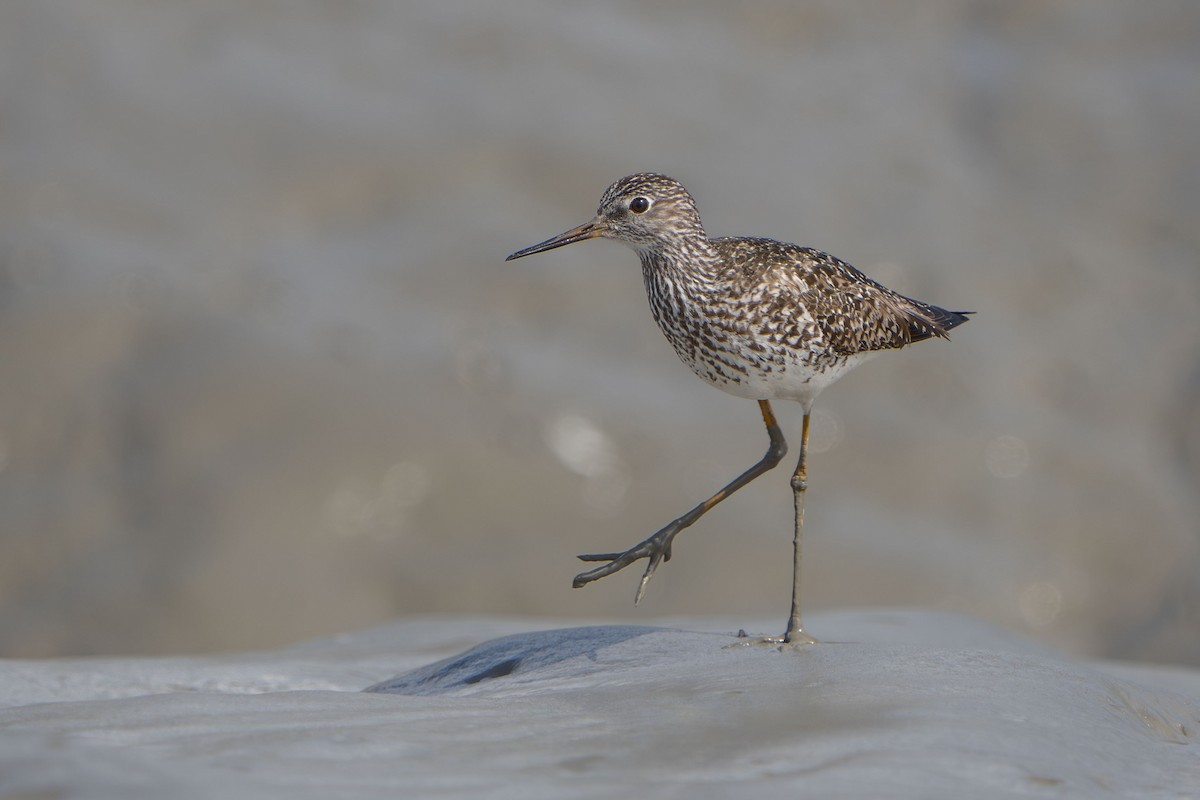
928,321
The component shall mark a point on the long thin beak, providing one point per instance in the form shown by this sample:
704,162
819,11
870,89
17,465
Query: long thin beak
588,230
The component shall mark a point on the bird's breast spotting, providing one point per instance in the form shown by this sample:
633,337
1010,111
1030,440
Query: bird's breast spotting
742,345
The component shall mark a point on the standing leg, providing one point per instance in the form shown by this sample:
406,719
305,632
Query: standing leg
657,548
795,631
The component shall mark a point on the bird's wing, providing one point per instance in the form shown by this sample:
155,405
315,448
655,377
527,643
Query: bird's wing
852,312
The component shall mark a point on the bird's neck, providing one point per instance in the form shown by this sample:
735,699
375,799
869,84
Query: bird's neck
679,280
687,261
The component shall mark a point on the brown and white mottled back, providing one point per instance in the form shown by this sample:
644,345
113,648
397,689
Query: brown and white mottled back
755,317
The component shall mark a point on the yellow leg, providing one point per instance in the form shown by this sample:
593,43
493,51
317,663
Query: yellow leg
795,630
657,548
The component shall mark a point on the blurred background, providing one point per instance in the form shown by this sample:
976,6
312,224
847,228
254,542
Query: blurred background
265,375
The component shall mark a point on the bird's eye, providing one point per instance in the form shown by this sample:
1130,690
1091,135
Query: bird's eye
639,205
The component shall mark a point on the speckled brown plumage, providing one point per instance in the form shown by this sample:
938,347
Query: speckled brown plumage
755,317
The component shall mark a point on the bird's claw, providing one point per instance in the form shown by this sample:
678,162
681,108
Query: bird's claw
656,549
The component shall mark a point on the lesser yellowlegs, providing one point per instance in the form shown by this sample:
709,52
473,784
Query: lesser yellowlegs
758,318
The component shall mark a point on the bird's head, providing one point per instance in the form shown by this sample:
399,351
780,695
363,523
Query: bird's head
646,211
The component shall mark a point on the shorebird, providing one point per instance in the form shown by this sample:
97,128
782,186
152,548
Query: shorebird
755,317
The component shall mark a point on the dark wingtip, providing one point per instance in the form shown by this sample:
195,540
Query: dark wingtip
952,319
934,321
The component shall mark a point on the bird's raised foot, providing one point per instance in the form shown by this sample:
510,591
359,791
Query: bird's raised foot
656,549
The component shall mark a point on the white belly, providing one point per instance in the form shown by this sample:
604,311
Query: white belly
793,380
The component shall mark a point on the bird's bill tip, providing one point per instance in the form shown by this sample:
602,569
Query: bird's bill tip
588,230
